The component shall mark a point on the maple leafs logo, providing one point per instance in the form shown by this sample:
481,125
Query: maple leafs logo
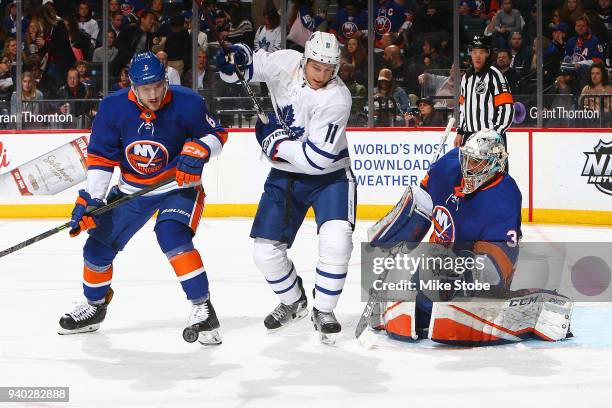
287,116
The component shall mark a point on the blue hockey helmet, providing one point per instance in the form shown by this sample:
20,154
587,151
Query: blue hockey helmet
145,69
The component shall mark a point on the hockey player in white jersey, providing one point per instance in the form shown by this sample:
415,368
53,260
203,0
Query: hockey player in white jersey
306,144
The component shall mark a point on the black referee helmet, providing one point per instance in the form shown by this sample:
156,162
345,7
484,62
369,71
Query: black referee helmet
479,42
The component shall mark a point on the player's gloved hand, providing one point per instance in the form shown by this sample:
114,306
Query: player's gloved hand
270,136
241,56
193,157
79,220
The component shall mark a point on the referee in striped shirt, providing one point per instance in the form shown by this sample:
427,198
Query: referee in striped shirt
485,101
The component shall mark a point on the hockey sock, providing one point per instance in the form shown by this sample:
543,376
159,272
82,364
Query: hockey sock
190,272
98,270
271,259
335,246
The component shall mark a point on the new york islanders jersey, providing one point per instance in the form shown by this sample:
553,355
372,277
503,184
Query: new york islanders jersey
390,18
487,221
345,26
316,118
584,49
145,145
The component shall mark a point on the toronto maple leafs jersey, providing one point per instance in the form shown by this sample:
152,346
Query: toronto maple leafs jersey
316,119
145,145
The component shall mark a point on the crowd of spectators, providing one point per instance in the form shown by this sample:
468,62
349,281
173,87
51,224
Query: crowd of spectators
62,50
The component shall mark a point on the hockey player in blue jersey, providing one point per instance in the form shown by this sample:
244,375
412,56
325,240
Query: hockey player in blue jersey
152,132
306,145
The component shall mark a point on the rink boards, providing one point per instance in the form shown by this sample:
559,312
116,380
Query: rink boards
564,175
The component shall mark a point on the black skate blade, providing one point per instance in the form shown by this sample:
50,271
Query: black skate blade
299,316
87,329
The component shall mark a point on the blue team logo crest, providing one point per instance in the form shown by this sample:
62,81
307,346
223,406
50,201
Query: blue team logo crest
382,25
287,115
349,29
146,156
444,225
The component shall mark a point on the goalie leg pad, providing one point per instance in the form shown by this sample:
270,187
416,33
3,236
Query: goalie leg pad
408,221
399,320
492,322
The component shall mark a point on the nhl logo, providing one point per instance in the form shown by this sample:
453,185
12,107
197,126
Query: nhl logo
481,87
598,167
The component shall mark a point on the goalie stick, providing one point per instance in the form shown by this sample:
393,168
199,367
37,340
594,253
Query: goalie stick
97,211
373,295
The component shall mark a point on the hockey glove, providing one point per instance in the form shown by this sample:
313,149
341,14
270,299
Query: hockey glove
241,56
194,156
270,136
79,220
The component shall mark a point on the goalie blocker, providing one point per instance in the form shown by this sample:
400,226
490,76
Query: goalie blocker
474,206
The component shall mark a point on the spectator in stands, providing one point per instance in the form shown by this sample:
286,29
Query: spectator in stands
178,45
441,87
172,75
114,6
240,27
427,117
394,61
391,17
301,24
34,31
433,20
6,79
8,23
116,23
555,20
358,91
74,89
521,55
356,55
47,84
553,53
571,10
604,12
29,96
123,82
87,23
134,39
86,79
221,21
157,7
584,49
54,42
513,78
79,39
268,36
598,84
349,22
10,52
393,102
129,13
98,54
205,78
432,59
563,90
202,37
506,21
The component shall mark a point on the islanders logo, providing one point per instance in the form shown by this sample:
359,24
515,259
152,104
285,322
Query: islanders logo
444,226
382,25
349,29
146,156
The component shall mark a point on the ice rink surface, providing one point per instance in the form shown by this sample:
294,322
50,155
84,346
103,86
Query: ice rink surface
138,357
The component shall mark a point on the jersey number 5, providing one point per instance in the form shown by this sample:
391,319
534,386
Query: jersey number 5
331,133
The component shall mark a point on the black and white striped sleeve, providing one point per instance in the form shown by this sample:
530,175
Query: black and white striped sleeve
502,101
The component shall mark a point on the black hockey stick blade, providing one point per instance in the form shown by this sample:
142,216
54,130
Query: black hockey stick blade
97,211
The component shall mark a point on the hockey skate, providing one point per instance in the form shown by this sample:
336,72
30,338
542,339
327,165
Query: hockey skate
203,325
283,314
327,325
84,317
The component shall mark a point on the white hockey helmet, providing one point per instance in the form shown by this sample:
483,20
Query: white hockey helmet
324,48
482,157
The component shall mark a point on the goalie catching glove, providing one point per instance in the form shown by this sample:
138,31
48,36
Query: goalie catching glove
194,156
79,220
270,136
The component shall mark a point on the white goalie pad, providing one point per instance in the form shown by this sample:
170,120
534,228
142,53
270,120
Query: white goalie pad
477,322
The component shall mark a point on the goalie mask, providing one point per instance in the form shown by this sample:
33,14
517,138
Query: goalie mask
482,157
324,48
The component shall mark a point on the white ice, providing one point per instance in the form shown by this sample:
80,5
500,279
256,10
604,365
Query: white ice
138,357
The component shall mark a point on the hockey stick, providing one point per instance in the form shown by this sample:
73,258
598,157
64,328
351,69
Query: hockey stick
95,212
260,113
374,296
